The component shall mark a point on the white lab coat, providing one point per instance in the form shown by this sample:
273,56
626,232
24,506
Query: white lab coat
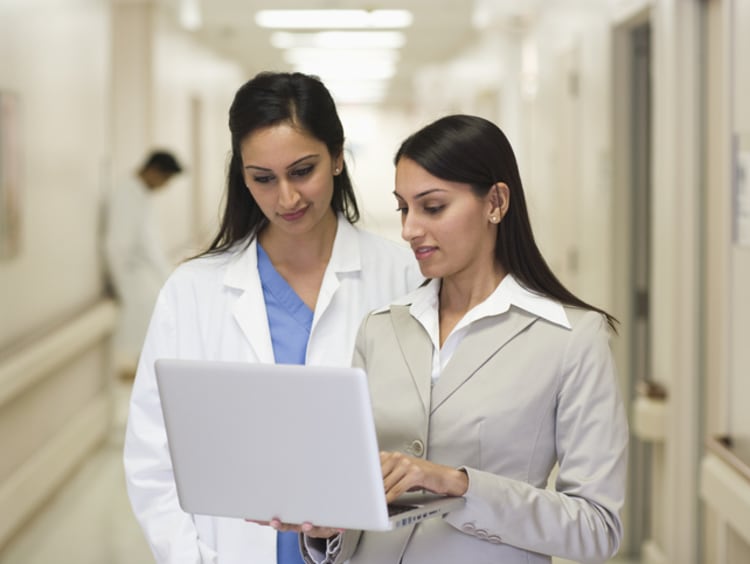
136,261
213,308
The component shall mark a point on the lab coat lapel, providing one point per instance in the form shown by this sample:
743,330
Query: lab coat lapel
250,308
416,348
345,257
486,337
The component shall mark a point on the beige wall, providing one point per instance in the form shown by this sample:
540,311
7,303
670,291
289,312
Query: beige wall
168,83
83,120
739,385
58,67
725,492
186,73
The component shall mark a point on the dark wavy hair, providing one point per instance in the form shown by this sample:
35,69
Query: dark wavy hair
475,151
268,99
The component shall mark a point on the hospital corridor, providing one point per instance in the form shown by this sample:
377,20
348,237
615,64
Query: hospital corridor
630,124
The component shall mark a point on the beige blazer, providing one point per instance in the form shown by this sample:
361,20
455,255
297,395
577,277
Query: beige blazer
519,396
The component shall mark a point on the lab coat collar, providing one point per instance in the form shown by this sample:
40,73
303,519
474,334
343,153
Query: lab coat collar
345,257
242,274
243,266
249,309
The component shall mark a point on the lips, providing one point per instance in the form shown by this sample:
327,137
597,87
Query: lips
293,216
423,252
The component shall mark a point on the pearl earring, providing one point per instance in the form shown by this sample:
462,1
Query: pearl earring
337,170
494,219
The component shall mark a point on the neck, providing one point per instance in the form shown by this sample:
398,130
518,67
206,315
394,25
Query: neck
462,291
300,251
146,178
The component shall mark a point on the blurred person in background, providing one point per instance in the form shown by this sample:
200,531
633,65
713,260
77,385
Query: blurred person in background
136,260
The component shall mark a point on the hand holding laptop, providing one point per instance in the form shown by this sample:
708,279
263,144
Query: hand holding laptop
227,460
307,528
401,474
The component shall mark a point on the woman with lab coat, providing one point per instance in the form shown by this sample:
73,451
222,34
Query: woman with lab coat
288,278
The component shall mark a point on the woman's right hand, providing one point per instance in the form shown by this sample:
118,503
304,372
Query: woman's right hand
403,473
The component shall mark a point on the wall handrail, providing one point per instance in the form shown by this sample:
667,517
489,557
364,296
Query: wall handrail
33,362
735,454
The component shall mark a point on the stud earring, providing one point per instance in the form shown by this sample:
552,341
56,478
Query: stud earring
494,219
337,170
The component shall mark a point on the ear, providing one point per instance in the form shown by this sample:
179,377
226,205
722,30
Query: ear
499,201
338,164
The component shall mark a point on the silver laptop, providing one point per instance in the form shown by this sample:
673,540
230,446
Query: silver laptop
263,441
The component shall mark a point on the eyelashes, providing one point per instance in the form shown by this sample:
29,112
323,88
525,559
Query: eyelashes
304,171
296,173
429,210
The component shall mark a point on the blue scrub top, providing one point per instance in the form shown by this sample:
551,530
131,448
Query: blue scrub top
289,321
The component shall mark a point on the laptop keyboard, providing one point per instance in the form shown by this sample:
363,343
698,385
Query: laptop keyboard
396,508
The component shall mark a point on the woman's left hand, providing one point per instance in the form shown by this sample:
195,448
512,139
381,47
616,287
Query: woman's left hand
403,473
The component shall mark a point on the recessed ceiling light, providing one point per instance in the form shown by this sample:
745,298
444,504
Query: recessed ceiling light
334,19
361,91
339,39
335,69
361,57
190,14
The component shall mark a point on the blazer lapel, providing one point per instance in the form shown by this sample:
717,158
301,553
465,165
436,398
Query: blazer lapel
416,348
486,337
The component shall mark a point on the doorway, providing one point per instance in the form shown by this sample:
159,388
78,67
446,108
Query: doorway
640,151
632,243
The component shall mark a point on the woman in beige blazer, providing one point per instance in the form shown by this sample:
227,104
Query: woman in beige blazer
487,377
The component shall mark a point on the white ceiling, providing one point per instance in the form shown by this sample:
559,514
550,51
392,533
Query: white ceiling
440,30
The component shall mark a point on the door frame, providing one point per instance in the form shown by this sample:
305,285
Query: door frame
623,221
677,335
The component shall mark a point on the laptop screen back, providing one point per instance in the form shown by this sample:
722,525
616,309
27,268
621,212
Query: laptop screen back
259,441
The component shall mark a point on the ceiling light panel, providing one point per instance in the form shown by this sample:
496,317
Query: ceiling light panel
361,57
339,39
333,19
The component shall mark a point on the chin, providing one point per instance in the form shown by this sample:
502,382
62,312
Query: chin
428,272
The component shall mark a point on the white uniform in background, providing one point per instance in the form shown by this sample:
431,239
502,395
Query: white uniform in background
213,308
136,261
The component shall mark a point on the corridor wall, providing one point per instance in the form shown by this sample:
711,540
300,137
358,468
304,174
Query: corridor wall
55,319
56,67
725,468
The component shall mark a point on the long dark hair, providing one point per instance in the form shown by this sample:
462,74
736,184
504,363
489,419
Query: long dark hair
474,151
268,99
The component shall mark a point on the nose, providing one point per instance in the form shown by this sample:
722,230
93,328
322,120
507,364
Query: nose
410,227
289,198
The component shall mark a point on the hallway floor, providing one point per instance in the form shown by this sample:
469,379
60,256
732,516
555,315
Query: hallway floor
89,521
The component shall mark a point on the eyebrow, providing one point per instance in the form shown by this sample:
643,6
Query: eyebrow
421,194
295,163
